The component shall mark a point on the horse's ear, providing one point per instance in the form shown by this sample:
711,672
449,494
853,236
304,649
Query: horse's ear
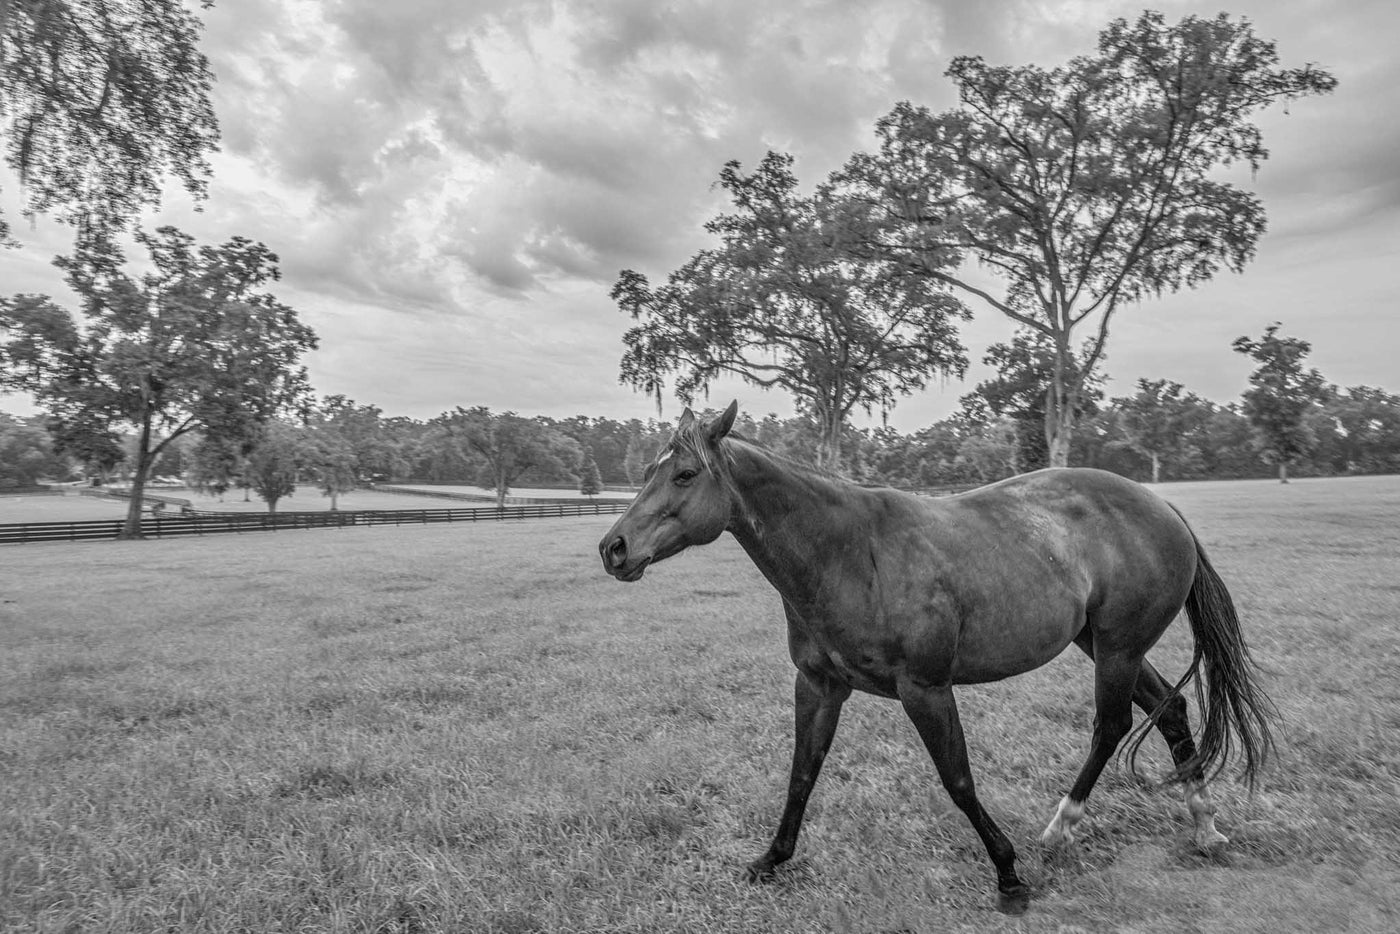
687,419
722,425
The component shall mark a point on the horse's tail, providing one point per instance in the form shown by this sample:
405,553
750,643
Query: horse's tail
1233,706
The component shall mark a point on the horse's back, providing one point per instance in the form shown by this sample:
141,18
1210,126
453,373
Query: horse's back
1078,504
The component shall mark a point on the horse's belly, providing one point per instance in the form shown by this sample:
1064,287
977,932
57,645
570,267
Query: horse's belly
989,650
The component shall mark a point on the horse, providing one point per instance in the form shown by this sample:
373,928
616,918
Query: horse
905,597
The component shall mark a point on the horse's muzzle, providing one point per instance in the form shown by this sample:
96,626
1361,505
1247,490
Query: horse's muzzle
618,562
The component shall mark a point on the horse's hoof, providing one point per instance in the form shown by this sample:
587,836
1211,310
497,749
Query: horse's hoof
1014,900
1060,831
758,872
1212,843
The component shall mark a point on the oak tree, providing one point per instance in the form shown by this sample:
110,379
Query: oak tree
330,459
194,344
1367,433
27,454
1280,394
274,462
788,300
217,463
1086,187
506,446
1154,419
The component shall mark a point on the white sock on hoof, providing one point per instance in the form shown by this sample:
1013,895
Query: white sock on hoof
1060,831
1203,813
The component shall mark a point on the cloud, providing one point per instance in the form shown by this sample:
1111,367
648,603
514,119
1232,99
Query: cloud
568,141
453,187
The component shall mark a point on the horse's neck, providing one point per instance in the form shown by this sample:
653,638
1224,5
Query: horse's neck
790,520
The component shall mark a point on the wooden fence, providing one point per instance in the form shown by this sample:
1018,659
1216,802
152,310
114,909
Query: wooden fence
148,499
489,497
213,523
204,522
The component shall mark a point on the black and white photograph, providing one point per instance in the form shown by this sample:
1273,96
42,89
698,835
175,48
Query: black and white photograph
590,466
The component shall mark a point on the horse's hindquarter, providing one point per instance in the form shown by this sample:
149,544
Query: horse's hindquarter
1027,562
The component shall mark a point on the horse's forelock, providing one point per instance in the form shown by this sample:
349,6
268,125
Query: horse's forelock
692,438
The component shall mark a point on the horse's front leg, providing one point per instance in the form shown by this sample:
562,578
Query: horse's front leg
817,709
935,715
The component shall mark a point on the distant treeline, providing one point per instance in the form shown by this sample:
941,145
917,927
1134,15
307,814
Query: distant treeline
1347,431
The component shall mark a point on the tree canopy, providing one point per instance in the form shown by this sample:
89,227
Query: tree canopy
100,100
1155,419
790,299
1089,186
274,462
505,446
1365,433
1350,431
194,344
215,464
346,443
27,454
1280,394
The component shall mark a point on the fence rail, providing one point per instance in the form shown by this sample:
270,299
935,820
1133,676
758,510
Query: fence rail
203,522
488,497
148,500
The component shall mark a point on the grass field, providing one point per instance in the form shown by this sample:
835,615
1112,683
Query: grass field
472,728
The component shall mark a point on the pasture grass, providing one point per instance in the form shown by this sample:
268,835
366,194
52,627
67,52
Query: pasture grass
471,728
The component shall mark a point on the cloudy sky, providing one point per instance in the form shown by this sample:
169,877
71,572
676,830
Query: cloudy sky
454,186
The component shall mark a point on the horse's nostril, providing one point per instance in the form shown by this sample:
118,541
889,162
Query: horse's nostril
617,552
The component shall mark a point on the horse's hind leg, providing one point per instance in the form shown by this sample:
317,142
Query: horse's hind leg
935,716
1115,679
1175,727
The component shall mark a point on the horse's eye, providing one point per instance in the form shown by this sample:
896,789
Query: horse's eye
685,476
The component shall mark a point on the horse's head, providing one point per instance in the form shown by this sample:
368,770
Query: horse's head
684,500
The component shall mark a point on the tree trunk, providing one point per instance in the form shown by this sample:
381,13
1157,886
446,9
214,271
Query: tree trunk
334,497
500,495
1061,399
131,528
1283,471
1156,467
1059,426
829,447
1059,446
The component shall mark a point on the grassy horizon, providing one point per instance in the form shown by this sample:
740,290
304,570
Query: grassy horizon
471,728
